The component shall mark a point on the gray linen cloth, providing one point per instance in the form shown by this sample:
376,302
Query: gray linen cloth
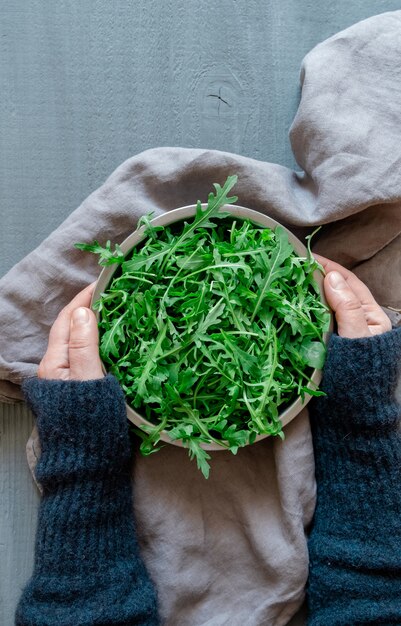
232,550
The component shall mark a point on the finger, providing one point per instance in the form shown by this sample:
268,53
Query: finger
83,298
329,265
48,370
376,318
350,316
83,350
358,287
57,350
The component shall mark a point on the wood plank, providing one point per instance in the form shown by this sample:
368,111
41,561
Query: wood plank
18,507
87,85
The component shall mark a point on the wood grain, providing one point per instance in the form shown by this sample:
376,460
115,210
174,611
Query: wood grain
85,85
18,502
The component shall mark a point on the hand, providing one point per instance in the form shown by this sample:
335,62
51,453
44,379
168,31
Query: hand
357,312
73,352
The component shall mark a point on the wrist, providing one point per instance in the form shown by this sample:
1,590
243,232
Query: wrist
82,427
360,376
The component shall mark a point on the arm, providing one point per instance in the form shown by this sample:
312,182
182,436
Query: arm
354,544
87,569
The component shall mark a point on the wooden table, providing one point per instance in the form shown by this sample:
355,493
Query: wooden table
85,85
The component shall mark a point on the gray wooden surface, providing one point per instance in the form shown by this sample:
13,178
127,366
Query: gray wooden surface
84,85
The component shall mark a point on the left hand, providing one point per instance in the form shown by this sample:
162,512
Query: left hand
73,348
357,312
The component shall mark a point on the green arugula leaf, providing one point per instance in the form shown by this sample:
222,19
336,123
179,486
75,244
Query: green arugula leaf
107,256
277,270
215,202
211,327
202,457
112,337
313,353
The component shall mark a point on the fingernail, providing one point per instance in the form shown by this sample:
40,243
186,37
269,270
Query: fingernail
336,280
80,316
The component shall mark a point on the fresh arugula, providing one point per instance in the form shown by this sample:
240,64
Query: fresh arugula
212,327
107,256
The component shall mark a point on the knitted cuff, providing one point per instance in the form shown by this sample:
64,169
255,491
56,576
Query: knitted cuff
359,378
82,427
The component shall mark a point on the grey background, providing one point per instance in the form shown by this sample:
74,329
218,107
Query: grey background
85,85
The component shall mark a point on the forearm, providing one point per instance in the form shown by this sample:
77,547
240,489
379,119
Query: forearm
87,564
354,545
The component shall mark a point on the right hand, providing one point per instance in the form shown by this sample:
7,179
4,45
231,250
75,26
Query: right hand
357,312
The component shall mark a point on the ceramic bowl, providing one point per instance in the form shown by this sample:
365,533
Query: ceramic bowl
185,213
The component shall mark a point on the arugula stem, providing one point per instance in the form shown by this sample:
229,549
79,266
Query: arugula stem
304,318
214,203
272,366
201,427
230,307
266,284
216,365
150,360
209,268
173,280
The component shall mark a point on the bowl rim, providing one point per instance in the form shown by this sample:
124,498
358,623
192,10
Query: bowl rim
240,212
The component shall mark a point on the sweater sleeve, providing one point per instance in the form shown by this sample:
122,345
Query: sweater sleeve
355,540
87,568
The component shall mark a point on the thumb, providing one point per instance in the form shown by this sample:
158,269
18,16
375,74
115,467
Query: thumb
83,348
350,316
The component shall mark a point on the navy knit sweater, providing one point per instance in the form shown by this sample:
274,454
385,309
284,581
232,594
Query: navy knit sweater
88,570
355,542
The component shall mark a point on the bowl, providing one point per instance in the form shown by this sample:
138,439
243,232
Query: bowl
237,211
